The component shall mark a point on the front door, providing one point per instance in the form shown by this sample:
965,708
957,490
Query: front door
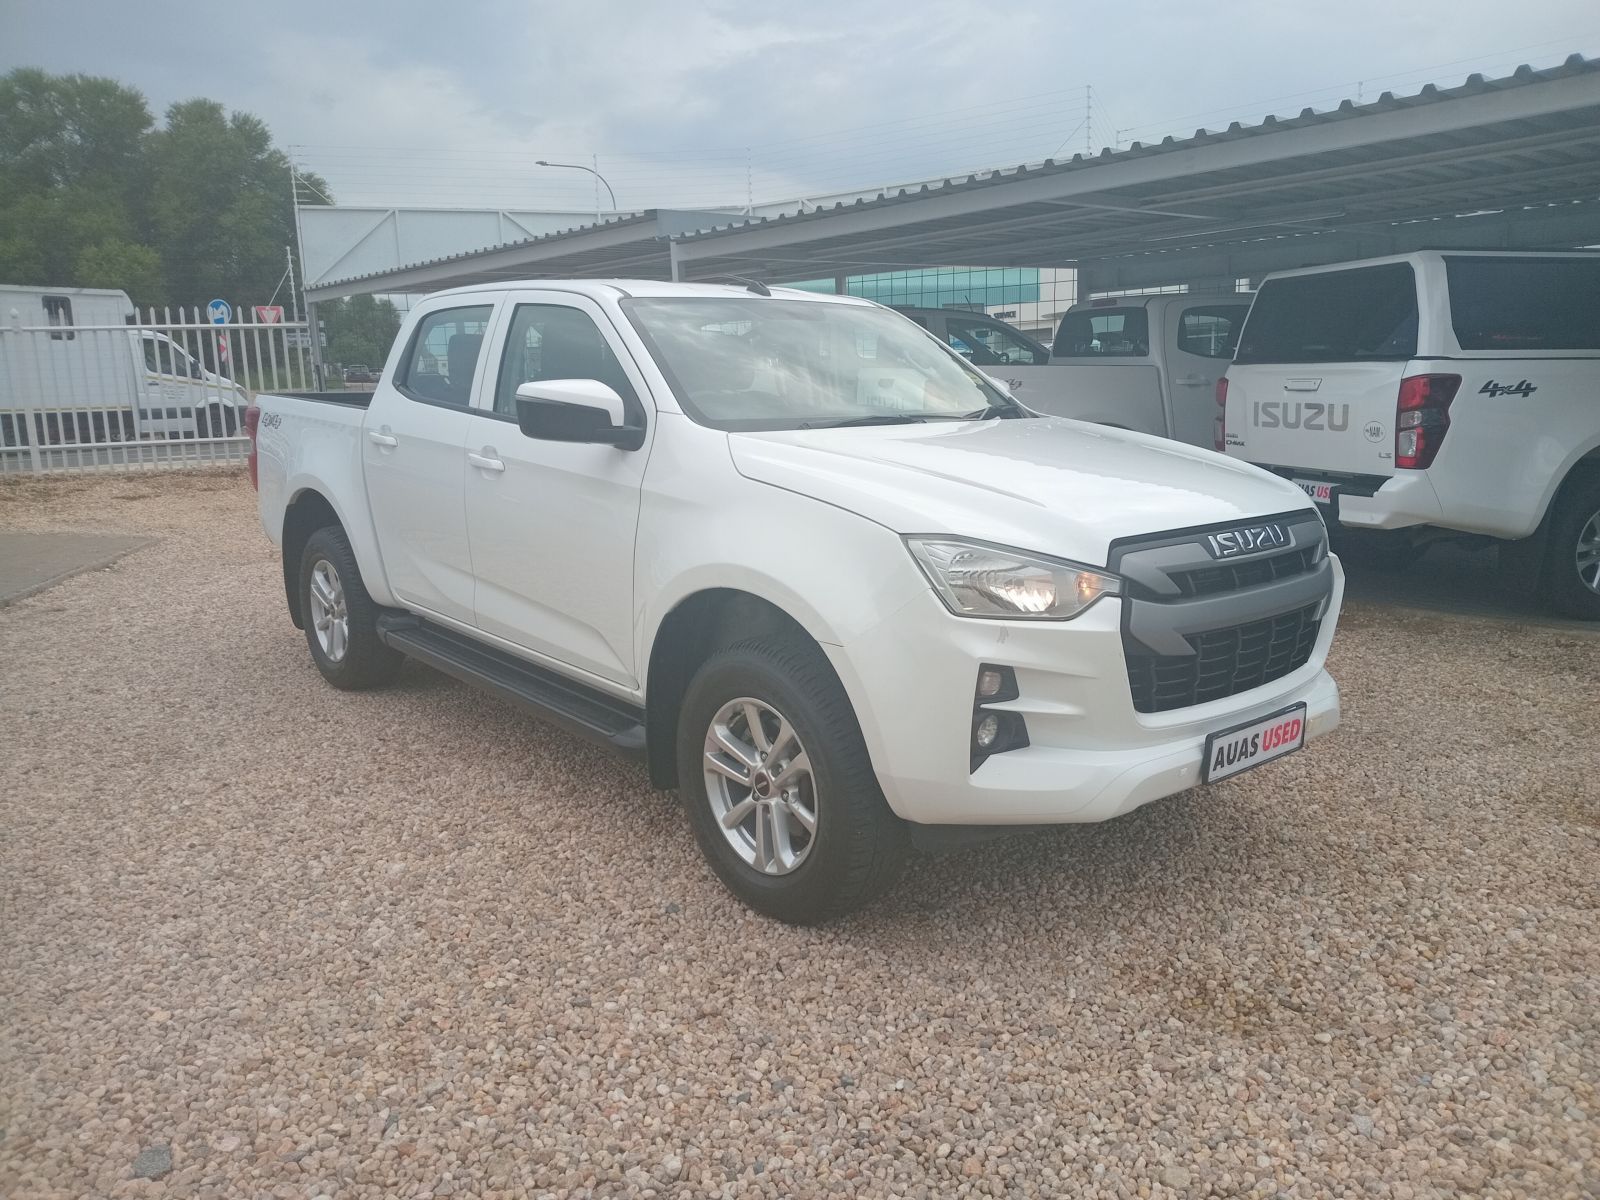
1200,342
413,447
552,523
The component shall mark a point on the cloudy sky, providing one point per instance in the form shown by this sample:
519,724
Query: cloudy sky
445,102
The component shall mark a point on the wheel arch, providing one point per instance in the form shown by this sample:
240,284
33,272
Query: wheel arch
693,629
306,513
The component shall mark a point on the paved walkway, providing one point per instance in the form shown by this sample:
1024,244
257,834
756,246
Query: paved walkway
31,562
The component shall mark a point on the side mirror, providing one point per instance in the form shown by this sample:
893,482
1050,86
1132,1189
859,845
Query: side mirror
576,410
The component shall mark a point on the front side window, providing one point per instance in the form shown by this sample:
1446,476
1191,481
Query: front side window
552,341
1104,333
164,358
442,358
990,344
1211,331
1369,313
754,363
58,314
1523,304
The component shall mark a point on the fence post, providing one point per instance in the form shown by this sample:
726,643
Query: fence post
28,414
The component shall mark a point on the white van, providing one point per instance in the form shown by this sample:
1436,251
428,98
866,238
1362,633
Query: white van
1437,391
73,358
1146,363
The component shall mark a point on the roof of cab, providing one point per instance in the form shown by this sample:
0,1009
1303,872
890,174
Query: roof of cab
612,288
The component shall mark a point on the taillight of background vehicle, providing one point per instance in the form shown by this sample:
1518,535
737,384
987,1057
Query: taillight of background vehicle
1219,432
1422,418
252,420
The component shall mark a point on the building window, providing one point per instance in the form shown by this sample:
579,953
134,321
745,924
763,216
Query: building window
58,314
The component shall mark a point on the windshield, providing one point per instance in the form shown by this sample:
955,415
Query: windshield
754,363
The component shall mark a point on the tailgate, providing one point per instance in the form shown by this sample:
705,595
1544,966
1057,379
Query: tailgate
1336,417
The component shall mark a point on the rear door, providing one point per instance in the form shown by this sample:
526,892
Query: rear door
414,456
552,524
1199,340
1317,374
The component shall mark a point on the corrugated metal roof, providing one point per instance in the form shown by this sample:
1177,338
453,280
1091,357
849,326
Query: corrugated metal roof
1324,184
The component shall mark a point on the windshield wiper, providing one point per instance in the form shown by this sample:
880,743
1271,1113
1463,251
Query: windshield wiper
874,419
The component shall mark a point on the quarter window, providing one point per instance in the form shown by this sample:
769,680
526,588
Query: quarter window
442,359
1211,332
552,341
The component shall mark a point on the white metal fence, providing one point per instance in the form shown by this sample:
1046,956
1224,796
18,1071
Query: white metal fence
157,391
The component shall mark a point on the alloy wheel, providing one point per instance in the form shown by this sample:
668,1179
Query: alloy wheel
330,618
760,786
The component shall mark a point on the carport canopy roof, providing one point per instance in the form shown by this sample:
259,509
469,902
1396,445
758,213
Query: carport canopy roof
1504,163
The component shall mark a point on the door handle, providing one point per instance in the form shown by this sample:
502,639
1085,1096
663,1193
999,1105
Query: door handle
382,439
484,462
1192,381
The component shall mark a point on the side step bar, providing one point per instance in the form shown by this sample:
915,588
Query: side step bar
574,707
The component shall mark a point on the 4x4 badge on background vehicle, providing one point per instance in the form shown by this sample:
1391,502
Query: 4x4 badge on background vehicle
1520,388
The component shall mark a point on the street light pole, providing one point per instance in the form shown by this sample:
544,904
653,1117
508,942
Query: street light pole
539,162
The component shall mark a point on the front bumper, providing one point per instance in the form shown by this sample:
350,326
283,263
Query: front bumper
1090,757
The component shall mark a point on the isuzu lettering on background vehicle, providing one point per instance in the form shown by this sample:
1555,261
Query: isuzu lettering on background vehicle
817,571
1432,394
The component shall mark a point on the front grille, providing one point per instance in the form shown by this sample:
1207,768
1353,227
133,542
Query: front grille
1230,577
1225,661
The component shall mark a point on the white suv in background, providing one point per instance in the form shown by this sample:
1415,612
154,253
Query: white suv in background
1436,391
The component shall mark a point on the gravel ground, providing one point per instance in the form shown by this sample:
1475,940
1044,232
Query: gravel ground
260,938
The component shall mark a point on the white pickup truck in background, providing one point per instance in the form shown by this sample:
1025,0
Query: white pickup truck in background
1146,363
1437,394
811,566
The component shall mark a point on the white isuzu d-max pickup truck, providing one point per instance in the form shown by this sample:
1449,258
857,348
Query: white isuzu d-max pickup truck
819,573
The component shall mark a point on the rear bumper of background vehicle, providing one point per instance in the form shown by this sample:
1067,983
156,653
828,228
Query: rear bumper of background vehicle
1404,500
1090,755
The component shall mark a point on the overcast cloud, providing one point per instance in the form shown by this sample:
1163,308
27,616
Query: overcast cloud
686,103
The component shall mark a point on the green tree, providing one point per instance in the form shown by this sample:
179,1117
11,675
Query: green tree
360,329
92,193
72,174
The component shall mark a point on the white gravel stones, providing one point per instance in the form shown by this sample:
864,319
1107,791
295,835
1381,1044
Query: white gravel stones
413,944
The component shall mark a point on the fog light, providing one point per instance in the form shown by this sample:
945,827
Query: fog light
988,729
990,681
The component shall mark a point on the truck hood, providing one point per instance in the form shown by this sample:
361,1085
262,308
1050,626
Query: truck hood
1051,485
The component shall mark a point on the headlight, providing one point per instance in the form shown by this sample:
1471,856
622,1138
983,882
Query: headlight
978,580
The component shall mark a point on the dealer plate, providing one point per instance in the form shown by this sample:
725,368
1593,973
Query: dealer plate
1244,746
1319,490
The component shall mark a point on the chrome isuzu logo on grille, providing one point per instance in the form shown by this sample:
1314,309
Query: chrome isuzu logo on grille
1247,539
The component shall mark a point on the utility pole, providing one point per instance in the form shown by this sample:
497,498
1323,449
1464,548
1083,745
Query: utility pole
294,305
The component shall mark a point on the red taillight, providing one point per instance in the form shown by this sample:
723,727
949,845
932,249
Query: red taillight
1219,430
1422,418
252,420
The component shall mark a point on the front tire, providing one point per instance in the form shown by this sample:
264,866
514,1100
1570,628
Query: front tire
778,786
1572,563
340,618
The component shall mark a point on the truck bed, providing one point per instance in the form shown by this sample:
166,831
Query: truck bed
348,399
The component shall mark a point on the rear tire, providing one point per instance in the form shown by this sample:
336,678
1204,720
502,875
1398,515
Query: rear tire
1572,559
854,847
340,618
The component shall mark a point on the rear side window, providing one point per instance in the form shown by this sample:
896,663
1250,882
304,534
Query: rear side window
1104,333
1335,316
1212,331
442,359
1525,304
